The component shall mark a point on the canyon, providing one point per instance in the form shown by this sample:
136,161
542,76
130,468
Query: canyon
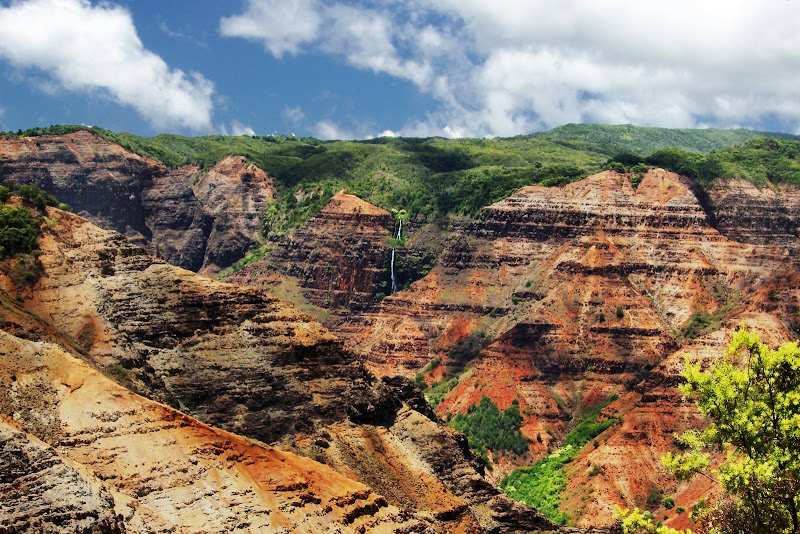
304,415
561,298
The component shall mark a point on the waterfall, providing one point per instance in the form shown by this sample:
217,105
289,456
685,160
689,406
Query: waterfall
394,281
398,237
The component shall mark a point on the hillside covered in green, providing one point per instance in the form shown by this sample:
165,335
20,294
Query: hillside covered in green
644,140
436,177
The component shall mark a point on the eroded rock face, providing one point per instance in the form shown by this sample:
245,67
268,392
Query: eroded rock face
340,258
546,269
561,297
120,463
234,194
202,221
41,491
237,359
748,214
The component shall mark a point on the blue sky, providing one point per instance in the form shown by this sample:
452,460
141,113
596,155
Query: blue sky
356,69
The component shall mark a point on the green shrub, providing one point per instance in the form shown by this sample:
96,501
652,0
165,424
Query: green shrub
37,197
668,502
119,374
437,391
19,231
541,484
25,270
697,324
487,427
620,313
616,166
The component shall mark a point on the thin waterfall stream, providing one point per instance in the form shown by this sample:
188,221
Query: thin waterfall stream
399,236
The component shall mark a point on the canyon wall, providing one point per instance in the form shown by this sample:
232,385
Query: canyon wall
562,297
239,360
202,221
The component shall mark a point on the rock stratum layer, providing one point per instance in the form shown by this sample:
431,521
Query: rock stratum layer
233,358
340,258
81,453
563,297
199,220
556,297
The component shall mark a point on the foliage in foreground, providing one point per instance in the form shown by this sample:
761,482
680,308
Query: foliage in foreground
635,521
541,484
751,400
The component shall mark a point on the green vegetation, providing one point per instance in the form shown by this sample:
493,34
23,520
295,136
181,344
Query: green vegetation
750,398
19,231
698,323
436,177
759,161
637,521
611,140
438,390
419,379
36,197
487,427
430,177
119,374
668,503
620,314
542,484
252,256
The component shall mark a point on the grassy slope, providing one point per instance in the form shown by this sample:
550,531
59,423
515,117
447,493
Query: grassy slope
436,177
612,139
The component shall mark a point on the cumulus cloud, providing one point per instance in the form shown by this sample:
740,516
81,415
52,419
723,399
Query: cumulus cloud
237,128
327,130
365,37
281,25
294,115
512,66
96,49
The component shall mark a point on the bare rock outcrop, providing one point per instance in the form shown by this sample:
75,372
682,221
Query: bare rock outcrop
340,258
199,220
116,462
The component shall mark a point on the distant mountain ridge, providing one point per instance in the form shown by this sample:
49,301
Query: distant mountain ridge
613,139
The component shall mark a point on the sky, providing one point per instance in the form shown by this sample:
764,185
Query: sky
339,69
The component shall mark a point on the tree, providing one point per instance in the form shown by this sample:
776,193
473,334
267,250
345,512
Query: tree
751,400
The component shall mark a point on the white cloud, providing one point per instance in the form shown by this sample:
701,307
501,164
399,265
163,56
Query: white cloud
328,130
237,128
282,25
96,49
363,36
512,66
293,116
